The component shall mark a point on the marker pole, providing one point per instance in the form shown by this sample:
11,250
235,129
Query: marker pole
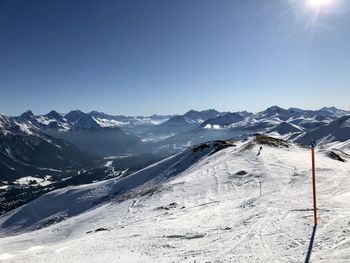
314,180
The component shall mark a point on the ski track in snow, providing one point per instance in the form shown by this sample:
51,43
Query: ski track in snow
219,216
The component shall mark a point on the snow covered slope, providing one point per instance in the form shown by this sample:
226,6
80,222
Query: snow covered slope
336,131
285,128
67,202
198,206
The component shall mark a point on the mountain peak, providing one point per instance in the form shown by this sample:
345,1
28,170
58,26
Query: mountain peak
295,110
191,112
74,115
201,115
76,111
96,112
274,108
53,114
334,111
27,114
331,109
328,108
99,114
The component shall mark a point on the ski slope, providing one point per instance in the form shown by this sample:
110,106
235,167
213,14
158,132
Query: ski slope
197,206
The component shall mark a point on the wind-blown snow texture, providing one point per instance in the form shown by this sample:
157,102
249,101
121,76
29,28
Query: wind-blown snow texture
208,211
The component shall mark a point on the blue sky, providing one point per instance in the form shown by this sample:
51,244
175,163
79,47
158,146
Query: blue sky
143,57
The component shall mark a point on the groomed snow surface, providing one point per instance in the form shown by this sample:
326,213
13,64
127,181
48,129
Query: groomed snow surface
211,211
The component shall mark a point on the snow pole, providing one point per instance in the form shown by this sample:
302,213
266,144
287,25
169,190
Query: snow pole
313,145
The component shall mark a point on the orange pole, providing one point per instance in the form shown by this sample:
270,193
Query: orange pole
314,183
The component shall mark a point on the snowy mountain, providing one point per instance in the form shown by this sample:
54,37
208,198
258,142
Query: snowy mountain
286,128
283,114
193,118
77,119
31,163
201,116
92,132
130,121
25,151
202,205
175,128
334,111
336,131
275,115
224,120
106,134
276,120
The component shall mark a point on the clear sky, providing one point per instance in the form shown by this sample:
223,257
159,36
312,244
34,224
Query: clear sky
147,56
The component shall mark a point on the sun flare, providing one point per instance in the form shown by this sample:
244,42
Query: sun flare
319,3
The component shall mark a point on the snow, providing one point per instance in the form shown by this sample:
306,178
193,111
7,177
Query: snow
45,120
27,180
346,123
149,121
25,128
158,138
61,122
197,206
116,157
343,146
336,131
335,111
49,169
5,256
8,152
109,123
49,141
108,164
71,201
8,166
213,127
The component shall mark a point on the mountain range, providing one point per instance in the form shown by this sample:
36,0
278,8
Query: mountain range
105,135
128,134
40,153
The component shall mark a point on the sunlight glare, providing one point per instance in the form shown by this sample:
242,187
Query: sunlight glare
318,3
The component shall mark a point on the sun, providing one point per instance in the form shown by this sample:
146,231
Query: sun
318,3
